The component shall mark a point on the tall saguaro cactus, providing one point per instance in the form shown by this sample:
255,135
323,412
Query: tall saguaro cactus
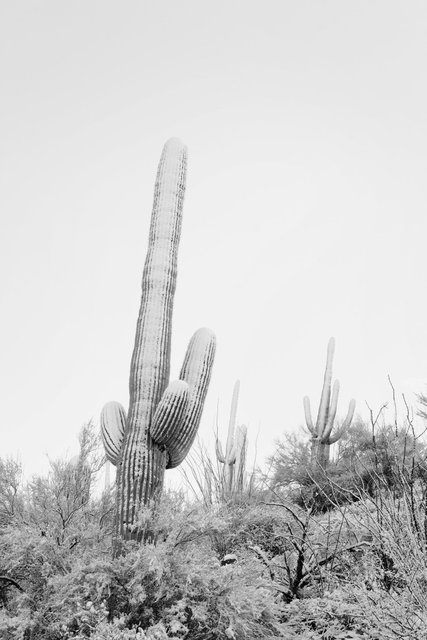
163,418
234,459
321,433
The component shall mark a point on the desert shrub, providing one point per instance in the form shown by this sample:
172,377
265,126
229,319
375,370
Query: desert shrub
203,474
378,589
78,591
11,498
47,568
181,583
15,626
336,616
345,562
117,630
291,466
388,581
369,458
290,462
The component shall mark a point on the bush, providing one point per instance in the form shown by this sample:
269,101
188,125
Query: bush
367,461
348,561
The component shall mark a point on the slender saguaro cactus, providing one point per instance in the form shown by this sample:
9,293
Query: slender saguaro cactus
234,460
321,433
239,474
163,418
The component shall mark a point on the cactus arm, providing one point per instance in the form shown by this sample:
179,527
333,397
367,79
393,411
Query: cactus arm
169,412
345,425
142,464
232,421
332,411
113,423
233,454
350,413
322,415
230,458
231,449
308,418
196,371
337,435
240,462
241,434
219,452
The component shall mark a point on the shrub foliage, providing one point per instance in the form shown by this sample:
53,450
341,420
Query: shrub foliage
277,563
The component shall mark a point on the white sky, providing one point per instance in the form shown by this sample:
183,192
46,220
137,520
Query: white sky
305,211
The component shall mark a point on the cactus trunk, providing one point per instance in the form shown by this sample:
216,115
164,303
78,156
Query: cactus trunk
320,453
142,465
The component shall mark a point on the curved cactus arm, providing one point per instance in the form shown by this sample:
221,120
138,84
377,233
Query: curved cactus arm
345,425
338,433
196,371
332,411
308,418
322,415
350,413
169,412
113,424
241,438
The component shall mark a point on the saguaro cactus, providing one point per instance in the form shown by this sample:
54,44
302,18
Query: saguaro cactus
162,420
234,460
321,433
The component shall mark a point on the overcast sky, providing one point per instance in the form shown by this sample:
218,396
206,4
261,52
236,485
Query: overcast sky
304,217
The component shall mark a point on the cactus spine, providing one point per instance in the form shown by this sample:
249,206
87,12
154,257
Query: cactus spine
321,433
162,420
234,460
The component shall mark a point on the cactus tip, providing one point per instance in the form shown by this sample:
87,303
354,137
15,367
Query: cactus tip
174,142
204,332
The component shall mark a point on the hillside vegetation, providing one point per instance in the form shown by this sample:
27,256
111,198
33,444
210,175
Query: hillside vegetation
293,554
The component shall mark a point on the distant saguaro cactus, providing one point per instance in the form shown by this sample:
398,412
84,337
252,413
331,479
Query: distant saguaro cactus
234,459
321,432
162,420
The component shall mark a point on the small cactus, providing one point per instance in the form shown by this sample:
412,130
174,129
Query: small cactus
321,433
234,459
163,418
